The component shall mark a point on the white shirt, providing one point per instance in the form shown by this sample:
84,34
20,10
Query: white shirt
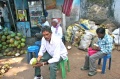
55,48
58,33
45,24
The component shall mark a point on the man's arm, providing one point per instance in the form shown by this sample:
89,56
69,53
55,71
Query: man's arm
42,49
39,57
96,47
107,48
39,64
39,25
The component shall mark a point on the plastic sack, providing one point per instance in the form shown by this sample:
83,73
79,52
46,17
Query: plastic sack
85,24
116,31
117,39
84,44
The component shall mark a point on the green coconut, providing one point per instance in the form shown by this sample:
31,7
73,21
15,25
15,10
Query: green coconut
11,40
8,37
23,39
17,37
33,61
13,34
19,34
3,38
22,44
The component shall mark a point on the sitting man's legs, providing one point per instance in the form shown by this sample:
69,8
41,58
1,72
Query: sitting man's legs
86,64
45,57
53,67
90,62
93,58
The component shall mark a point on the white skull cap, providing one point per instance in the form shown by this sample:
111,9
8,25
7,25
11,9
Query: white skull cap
55,20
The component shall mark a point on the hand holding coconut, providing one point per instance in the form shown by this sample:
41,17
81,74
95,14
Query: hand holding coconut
39,64
96,47
34,62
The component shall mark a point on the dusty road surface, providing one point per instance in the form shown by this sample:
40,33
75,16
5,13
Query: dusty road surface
21,70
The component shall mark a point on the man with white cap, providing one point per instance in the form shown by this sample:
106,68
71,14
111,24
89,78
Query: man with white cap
56,28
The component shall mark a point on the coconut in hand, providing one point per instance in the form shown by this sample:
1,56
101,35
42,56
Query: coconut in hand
33,61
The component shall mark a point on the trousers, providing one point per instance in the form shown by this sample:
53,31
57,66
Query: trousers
90,60
52,66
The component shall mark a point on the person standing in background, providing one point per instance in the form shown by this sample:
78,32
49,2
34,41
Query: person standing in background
56,28
43,22
5,14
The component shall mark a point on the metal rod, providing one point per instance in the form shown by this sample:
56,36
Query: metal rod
43,7
11,14
118,39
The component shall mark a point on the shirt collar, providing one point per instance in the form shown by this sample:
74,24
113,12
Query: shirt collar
103,37
51,41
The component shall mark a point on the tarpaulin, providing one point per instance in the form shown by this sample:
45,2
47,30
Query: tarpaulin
66,8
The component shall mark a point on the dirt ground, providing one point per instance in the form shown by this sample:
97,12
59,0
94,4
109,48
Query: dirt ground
21,70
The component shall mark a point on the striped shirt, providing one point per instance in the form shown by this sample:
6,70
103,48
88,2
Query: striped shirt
106,44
